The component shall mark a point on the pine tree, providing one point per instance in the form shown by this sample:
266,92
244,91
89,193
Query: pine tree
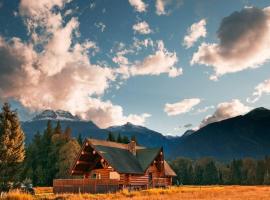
198,174
236,177
125,140
210,174
79,139
45,149
68,132
12,150
67,154
111,137
119,139
260,171
58,128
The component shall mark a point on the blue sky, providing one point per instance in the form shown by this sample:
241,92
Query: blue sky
91,83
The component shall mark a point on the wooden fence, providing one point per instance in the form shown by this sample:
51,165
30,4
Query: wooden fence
85,186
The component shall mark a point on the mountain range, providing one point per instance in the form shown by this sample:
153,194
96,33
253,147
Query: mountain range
242,136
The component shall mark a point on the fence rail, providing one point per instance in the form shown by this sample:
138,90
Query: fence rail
85,185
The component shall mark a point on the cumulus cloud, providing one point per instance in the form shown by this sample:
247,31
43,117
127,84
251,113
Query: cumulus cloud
106,114
243,43
59,75
181,107
142,28
195,31
226,110
260,89
162,4
162,61
138,5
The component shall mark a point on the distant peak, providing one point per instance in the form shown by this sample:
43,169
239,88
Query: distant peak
259,112
56,115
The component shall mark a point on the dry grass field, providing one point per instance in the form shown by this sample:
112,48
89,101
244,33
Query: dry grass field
174,193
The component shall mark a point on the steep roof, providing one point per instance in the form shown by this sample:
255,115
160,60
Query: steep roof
147,156
122,160
168,170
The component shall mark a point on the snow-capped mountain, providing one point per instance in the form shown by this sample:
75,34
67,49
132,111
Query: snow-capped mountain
56,115
78,126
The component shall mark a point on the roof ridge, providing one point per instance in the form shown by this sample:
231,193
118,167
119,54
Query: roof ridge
112,144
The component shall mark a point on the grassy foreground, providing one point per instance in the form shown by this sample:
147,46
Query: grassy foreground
174,193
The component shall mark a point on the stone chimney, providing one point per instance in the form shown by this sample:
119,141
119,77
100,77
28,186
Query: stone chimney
132,147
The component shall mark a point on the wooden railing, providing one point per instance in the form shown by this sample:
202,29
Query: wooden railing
85,185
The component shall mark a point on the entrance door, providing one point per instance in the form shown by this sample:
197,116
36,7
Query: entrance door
150,179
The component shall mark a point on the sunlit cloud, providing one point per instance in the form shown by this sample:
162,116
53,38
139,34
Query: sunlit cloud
181,107
243,43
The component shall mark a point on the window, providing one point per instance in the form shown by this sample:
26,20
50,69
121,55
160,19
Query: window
96,176
114,175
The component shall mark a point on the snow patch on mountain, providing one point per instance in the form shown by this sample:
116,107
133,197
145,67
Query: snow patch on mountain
56,115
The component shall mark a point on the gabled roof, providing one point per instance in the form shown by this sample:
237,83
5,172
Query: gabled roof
122,160
168,170
147,156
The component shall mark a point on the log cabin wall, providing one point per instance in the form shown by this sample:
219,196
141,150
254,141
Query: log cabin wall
101,173
138,179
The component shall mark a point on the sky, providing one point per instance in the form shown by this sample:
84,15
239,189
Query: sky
169,65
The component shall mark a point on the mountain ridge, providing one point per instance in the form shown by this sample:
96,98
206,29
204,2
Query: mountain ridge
241,136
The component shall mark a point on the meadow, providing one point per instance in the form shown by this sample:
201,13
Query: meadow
173,193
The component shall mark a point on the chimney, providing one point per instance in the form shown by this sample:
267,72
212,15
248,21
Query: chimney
132,147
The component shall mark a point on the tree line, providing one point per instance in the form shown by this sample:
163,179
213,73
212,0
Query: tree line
120,139
208,171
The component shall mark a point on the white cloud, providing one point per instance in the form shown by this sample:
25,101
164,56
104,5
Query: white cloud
139,5
205,109
159,62
162,61
195,31
260,89
60,75
142,28
243,43
181,107
226,110
101,26
161,6
106,114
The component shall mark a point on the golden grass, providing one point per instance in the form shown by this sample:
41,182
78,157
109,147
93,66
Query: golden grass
173,193
16,195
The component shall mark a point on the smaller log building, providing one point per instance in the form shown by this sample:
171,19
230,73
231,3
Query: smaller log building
109,166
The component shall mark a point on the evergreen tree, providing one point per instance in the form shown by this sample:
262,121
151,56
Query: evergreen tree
210,174
119,139
67,154
198,175
68,132
125,140
79,139
45,162
236,175
12,150
58,128
110,137
260,171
